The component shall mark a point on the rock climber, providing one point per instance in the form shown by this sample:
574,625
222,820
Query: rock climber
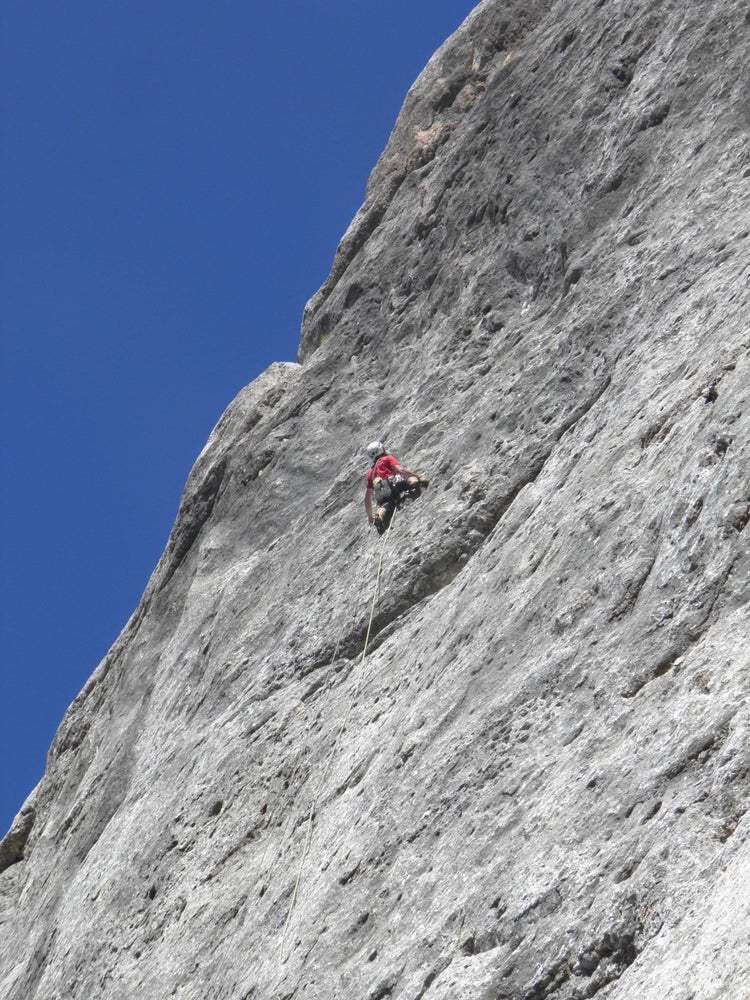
387,481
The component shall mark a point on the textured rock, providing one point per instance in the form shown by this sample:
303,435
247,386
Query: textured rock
535,784
14,842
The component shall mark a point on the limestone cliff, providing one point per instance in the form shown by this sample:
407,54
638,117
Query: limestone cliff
535,783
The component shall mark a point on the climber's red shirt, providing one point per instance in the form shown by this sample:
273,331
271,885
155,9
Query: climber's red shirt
385,466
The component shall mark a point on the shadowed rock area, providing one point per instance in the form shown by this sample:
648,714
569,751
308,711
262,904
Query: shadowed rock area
535,784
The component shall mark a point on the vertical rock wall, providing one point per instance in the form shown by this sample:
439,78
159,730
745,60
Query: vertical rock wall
535,784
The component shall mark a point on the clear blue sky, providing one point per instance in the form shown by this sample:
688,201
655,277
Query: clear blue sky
176,176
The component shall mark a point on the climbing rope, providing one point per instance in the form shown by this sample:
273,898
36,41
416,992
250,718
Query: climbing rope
332,755
277,806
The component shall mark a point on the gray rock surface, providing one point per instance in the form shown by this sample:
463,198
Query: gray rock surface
535,783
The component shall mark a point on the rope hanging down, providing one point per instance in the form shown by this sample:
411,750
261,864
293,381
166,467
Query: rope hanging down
331,756
276,808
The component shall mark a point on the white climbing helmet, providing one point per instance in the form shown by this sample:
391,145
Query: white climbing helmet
375,449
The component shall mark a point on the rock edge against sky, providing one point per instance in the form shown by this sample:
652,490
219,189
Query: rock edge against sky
535,784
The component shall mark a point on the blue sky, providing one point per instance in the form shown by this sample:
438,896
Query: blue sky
175,179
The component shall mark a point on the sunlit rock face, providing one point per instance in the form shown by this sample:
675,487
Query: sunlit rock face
534,781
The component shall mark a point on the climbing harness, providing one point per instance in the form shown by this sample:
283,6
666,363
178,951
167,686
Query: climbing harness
382,489
389,493
331,756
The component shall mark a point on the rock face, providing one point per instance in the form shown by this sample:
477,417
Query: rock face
535,781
